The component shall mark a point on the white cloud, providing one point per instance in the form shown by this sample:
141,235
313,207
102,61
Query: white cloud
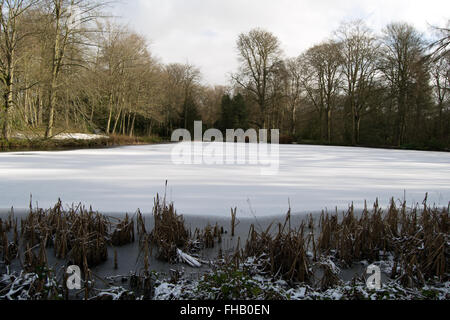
204,32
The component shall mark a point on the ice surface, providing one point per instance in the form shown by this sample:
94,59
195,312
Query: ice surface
311,178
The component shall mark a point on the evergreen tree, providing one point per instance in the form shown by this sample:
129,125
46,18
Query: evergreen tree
189,115
227,113
240,112
234,113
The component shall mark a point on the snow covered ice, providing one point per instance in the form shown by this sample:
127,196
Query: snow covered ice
310,178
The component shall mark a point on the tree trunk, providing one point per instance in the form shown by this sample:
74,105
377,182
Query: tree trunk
108,125
132,125
321,124
40,110
354,120
6,120
329,125
358,129
51,114
58,52
8,97
116,121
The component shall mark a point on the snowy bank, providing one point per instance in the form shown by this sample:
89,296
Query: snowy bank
79,136
64,136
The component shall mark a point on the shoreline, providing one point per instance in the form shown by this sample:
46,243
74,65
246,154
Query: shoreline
73,144
112,141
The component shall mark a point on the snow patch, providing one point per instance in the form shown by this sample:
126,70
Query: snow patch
79,136
190,260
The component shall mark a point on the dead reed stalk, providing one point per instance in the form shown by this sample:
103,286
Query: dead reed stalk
282,254
418,238
123,233
169,232
233,220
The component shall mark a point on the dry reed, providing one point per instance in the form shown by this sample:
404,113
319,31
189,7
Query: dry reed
169,232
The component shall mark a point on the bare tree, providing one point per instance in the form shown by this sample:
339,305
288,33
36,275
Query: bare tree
359,51
402,50
182,83
69,21
321,78
440,73
441,46
259,54
294,90
123,68
210,103
11,12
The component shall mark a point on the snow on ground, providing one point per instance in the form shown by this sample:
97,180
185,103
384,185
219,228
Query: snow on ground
79,136
64,136
311,178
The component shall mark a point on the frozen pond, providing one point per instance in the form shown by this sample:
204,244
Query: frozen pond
311,178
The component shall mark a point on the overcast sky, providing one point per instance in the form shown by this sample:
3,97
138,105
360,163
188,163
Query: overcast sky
204,32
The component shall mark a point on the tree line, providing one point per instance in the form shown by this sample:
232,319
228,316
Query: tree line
66,66
357,87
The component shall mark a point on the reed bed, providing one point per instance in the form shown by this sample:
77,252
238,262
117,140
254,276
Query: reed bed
9,249
283,254
169,232
206,238
415,241
417,238
123,233
77,234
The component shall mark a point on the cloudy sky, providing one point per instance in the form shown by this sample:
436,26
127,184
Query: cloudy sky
204,32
